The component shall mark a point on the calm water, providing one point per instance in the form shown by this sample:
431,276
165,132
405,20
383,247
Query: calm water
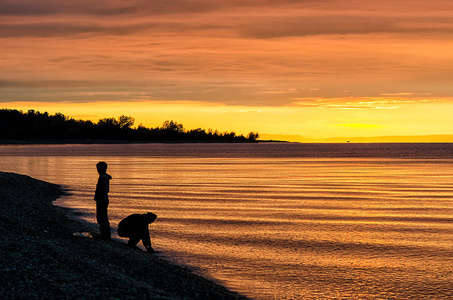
278,221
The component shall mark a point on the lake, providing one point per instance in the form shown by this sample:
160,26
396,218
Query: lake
277,220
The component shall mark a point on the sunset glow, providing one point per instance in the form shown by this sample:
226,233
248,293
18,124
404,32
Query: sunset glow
294,70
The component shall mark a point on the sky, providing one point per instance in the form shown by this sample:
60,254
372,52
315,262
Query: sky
304,70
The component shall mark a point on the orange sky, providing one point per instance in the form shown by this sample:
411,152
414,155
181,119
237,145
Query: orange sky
313,68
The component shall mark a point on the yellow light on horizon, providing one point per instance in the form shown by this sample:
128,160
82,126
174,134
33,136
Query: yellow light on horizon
292,123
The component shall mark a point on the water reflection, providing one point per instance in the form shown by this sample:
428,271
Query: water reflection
278,227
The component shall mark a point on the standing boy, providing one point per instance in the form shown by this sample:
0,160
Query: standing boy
102,200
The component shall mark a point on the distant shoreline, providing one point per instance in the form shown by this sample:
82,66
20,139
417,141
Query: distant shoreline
42,259
113,142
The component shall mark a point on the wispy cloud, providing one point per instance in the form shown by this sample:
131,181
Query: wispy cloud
248,19
359,103
255,52
148,7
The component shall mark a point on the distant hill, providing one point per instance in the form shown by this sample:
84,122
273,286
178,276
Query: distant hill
445,138
394,139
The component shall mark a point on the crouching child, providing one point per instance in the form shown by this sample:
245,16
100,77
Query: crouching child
135,227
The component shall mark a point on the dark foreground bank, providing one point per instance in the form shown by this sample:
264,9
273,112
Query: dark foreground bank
42,259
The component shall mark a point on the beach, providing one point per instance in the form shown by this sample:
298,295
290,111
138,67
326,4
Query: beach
41,258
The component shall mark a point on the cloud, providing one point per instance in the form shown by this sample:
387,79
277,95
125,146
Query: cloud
254,52
81,27
369,103
140,7
58,83
277,92
246,19
302,25
56,7
305,26
65,29
245,8
359,125
405,94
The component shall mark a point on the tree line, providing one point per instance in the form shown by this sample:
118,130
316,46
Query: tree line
34,125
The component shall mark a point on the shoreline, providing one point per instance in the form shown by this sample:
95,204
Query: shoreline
43,259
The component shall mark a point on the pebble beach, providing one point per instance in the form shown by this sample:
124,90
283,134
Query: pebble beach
42,257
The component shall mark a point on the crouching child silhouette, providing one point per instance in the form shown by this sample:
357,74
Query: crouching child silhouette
135,227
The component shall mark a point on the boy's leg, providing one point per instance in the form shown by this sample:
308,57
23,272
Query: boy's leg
103,221
133,241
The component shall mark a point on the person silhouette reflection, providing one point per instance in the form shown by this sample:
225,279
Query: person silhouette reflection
135,227
101,196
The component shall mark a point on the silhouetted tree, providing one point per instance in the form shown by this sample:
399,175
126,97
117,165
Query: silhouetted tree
173,126
173,130
34,125
253,136
126,122
108,123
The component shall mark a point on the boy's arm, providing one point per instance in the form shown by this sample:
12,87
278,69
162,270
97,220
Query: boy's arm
146,239
102,188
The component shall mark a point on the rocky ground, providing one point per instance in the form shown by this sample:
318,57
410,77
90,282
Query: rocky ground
42,259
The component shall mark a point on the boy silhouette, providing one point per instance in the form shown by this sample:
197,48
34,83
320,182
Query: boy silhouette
101,196
135,227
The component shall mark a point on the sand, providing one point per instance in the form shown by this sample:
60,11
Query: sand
42,259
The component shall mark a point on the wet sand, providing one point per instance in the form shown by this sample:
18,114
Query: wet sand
42,259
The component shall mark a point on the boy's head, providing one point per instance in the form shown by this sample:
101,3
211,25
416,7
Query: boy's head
101,167
151,217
